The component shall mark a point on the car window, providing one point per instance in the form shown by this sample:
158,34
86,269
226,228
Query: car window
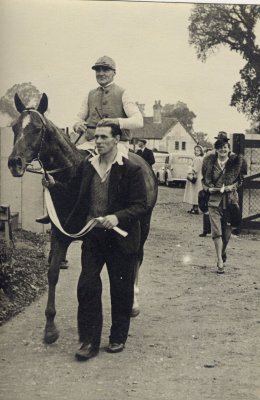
159,158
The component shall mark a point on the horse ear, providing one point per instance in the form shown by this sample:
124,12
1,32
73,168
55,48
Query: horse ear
42,107
18,103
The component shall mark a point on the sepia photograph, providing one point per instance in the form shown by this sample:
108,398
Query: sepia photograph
129,203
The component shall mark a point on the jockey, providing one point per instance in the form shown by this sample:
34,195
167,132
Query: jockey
108,103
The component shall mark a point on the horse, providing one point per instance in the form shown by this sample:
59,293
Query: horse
37,138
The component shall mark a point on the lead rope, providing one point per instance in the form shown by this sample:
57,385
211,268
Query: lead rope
90,225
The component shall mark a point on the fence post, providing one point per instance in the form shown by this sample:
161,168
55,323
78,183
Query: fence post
238,147
5,217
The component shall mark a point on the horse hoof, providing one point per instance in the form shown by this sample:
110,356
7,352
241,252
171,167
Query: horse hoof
64,264
51,336
135,312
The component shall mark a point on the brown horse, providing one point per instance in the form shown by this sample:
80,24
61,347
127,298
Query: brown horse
37,138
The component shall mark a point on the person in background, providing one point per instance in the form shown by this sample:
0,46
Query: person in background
192,189
222,173
145,153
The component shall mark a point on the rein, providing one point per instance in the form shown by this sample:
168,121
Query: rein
42,170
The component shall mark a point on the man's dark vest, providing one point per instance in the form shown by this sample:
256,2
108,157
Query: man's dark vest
108,102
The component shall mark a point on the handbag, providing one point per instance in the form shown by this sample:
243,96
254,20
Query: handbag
203,198
234,214
191,176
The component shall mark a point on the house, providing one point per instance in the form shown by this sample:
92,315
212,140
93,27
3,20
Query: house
164,133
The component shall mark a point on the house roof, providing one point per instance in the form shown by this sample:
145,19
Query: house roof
153,130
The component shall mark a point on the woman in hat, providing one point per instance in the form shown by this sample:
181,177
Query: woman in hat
193,186
222,174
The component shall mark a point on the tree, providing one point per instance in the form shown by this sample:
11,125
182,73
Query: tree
246,96
213,25
181,112
29,94
202,139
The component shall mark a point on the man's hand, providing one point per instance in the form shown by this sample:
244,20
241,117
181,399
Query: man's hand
109,221
80,127
108,121
48,181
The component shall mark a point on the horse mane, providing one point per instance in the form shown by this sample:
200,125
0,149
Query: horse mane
65,139
54,128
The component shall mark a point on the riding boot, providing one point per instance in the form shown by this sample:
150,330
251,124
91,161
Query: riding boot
44,219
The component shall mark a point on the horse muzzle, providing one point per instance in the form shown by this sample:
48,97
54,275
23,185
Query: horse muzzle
17,166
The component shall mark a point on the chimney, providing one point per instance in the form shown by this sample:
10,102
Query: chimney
157,112
141,108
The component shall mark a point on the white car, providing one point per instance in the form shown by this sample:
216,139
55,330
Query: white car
159,163
175,169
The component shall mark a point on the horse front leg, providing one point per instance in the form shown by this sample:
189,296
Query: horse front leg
145,228
135,307
58,251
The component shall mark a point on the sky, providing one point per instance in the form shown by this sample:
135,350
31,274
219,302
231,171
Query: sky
53,44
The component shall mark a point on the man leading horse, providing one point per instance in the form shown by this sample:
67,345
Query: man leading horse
112,187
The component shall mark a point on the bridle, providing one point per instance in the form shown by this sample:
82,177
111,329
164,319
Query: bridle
42,170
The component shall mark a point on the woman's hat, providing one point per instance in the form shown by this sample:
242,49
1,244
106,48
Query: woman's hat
222,136
199,146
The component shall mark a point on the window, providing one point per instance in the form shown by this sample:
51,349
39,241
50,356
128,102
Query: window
183,146
177,146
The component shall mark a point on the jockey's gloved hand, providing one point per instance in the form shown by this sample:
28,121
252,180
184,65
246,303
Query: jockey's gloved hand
48,181
80,127
108,121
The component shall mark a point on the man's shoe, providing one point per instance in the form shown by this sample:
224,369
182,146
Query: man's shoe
115,347
135,312
44,219
86,351
202,234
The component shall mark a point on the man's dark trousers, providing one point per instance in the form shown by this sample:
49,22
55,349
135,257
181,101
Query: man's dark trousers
100,247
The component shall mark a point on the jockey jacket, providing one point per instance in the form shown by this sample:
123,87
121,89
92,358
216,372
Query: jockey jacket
108,102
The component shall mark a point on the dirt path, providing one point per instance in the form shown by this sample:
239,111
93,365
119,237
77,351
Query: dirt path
197,337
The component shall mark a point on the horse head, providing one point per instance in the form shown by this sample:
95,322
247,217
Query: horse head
29,130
